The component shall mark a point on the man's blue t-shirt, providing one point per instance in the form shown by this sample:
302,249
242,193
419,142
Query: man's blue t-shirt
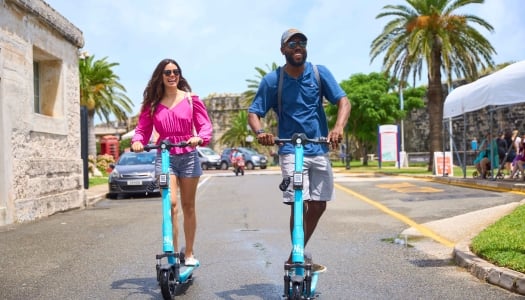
301,108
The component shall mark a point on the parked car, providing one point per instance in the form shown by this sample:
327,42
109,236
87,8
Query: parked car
134,173
252,158
209,158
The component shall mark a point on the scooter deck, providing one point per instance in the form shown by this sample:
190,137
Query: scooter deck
318,269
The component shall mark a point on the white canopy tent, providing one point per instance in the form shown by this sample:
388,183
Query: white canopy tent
506,86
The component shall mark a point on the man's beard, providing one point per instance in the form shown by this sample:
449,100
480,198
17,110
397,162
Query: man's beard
291,61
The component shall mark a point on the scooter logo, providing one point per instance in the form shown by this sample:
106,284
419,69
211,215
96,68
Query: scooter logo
168,240
298,249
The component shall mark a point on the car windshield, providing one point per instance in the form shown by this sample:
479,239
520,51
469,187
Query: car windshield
249,151
207,151
132,158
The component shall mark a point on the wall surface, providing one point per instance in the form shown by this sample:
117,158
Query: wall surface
40,163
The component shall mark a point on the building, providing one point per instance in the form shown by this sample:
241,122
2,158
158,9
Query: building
40,156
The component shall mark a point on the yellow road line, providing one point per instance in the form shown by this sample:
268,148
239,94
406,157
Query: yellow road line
422,229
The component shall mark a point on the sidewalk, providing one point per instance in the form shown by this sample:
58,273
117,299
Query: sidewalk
96,193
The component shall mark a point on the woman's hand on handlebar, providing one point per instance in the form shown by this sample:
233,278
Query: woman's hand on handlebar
266,139
194,141
137,147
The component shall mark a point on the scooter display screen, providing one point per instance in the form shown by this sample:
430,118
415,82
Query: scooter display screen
298,181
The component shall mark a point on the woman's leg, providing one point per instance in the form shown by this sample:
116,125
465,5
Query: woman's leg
174,211
188,191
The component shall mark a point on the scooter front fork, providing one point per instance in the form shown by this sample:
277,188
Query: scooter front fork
291,277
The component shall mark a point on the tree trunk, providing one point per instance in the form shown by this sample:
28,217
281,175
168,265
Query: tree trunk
435,104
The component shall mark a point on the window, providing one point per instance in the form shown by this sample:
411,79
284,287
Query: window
49,97
36,86
46,80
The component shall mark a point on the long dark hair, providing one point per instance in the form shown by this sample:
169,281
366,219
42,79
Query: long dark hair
154,91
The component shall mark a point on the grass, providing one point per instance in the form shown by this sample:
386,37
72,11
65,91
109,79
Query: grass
97,180
390,168
503,243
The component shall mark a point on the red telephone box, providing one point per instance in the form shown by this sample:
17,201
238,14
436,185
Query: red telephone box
109,144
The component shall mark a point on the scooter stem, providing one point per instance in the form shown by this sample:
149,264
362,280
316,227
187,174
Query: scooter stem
298,230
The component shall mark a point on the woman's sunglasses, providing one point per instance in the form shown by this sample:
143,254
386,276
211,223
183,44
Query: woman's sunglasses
176,72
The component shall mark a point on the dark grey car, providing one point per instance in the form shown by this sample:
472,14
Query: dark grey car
134,173
252,158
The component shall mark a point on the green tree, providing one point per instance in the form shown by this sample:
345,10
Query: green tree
102,94
430,32
270,119
238,131
374,102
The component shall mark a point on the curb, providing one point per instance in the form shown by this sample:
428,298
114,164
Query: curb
485,271
92,199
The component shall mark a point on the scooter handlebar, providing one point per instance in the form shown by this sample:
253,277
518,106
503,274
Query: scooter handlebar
166,144
300,138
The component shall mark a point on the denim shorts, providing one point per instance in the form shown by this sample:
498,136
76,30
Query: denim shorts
318,178
185,165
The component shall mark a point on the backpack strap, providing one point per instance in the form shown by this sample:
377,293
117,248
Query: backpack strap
280,87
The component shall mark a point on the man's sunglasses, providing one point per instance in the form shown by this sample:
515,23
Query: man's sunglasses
293,44
176,72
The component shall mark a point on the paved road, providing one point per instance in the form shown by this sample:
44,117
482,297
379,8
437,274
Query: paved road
107,251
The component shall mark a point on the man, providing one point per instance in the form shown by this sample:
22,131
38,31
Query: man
300,110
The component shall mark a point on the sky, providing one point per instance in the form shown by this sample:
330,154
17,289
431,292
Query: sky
218,44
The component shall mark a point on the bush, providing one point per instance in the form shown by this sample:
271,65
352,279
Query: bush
101,163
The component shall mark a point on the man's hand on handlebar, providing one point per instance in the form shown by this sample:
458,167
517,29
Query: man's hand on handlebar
335,137
266,139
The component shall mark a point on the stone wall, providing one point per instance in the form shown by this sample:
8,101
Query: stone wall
40,163
222,109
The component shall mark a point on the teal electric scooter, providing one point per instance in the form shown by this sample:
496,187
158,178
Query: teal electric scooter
300,281
171,271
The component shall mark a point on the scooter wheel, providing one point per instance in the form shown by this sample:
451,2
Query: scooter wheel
167,284
297,293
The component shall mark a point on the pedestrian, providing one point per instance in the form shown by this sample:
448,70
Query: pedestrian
177,115
300,110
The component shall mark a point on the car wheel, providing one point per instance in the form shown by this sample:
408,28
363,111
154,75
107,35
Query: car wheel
249,165
224,165
204,166
112,195
263,167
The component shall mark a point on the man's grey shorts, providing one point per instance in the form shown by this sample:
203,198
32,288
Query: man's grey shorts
318,179
185,165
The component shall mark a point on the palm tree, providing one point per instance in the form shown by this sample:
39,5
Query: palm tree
253,84
238,131
429,31
102,94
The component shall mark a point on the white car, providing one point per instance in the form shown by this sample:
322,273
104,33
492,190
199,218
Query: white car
209,159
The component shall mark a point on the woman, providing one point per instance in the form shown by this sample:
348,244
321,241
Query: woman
176,115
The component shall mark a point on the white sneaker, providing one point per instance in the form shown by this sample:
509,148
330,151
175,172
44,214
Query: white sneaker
191,262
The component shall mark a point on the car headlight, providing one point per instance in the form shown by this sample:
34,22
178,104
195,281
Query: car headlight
114,174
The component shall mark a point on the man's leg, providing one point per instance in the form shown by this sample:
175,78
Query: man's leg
313,212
